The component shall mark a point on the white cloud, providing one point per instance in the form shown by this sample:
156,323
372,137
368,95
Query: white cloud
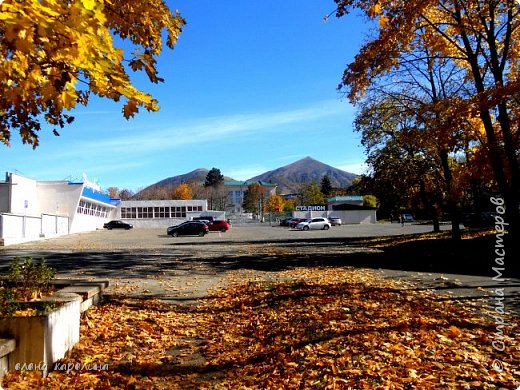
358,168
147,141
246,172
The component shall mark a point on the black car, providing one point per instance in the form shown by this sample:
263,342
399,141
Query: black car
188,229
117,225
285,222
484,219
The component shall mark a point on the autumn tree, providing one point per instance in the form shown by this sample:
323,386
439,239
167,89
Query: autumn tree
197,188
370,201
113,192
481,39
56,54
126,194
310,194
275,204
289,205
183,192
254,199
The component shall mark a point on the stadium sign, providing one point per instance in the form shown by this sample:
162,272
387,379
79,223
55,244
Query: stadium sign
311,208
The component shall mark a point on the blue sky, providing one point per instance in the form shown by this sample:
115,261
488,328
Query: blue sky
250,87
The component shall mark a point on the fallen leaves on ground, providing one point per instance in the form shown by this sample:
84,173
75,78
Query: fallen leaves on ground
321,329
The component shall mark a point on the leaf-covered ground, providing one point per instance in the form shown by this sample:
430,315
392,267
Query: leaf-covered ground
321,329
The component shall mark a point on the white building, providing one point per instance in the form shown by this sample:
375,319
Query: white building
349,208
31,209
237,189
163,213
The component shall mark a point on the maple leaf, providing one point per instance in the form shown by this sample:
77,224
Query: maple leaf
130,108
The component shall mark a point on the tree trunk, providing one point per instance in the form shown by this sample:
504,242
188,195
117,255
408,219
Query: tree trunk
429,206
450,203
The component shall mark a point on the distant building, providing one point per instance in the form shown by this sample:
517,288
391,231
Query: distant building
163,213
349,208
342,200
31,209
237,189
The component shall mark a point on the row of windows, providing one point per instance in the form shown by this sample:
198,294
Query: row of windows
95,210
157,212
235,196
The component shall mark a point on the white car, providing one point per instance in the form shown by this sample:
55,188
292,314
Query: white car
315,224
335,221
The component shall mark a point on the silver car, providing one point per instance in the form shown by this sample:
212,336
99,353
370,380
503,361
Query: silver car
335,221
315,224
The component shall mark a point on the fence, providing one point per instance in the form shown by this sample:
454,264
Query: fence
19,228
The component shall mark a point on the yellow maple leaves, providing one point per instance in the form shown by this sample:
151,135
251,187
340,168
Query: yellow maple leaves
55,54
375,11
322,327
88,4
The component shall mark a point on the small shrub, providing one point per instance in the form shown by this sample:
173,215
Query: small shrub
7,305
30,278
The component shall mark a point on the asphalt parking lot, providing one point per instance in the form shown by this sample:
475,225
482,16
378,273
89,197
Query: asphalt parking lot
148,263
247,233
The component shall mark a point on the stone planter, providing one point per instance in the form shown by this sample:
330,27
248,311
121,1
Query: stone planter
43,339
37,342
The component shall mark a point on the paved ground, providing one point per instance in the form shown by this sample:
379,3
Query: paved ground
147,263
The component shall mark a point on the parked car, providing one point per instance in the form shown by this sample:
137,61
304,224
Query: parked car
205,219
407,217
335,221
286,222
189,228
315,223
484,219
295,221
218,226
117,225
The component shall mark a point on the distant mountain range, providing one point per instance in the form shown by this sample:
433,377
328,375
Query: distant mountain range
288,178
307,170
198,175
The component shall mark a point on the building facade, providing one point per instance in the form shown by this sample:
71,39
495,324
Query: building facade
163,213
349,208
237,189
31,209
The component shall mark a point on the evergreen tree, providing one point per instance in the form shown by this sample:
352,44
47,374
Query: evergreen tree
214,178
326,186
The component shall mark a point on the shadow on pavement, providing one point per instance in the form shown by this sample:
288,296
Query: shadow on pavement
475,256
467,257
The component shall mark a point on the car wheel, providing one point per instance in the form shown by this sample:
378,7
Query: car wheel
305,228
175,234
326,227
223,230
109,228
201,234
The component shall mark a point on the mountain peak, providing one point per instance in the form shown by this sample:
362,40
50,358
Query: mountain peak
305,170
288,178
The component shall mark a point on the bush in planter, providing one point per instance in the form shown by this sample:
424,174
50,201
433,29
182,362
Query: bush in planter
30,279
7,306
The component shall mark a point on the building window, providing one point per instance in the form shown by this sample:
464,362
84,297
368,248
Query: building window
92,209
157,212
